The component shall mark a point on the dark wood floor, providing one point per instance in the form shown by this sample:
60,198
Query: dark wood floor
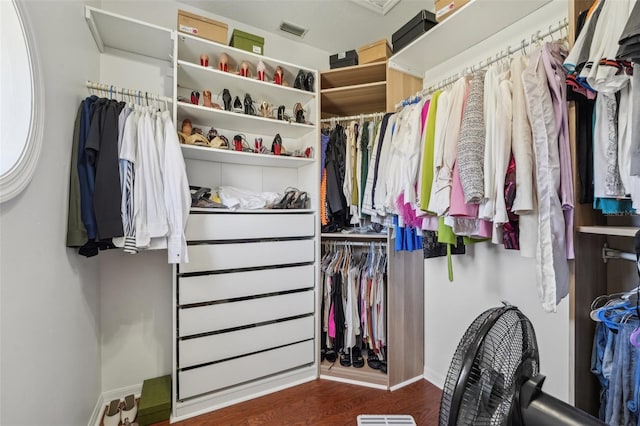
324,402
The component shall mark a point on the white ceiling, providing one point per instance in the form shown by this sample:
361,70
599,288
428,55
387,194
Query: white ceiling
334,25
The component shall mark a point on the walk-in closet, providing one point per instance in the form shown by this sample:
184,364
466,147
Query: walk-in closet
275,212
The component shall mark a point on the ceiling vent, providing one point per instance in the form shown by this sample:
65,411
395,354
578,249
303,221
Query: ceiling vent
290,28
381,7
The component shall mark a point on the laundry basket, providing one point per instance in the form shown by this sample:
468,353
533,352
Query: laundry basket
385,419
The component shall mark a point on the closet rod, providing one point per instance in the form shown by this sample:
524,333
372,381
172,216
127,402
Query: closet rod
352,117
535,37
111,89
356,243
609,253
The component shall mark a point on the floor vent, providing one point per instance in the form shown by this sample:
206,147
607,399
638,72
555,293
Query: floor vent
385,420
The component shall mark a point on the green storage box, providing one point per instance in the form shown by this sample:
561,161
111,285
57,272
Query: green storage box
246,41
155,401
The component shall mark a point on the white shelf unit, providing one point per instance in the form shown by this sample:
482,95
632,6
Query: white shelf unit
192,152
473,23
115,31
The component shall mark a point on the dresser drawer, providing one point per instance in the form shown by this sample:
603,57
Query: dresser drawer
242,226
222,346
210,288
213,377
216,257
221,316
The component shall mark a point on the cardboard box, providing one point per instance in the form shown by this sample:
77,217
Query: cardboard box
343,59
444,8
155,401
374,52
418,25
247,41
200,26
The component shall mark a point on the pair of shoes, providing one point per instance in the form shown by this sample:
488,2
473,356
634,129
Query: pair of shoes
300,201
201,197
223,62
249,108
195,97
261,70
278,76
204,60
276,146
240,143
286,199
298,111
304,81
125,415
237,105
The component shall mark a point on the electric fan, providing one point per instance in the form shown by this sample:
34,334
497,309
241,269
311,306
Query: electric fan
494,378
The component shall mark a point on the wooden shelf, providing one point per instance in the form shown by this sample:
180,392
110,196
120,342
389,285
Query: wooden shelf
473,23
196,77
114,31
190,48
616,231
364,374
202,153
358,74
356,99
241,123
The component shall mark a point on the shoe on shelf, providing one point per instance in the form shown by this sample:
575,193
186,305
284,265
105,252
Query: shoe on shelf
244,69
112,415
281,112
357,360
261,71
249,108
223,62
226,98
308,82
300,201
299,82
237,105
204,60
298,111
276,146
284,202
130,410
278,76
195,97
345,358
265,109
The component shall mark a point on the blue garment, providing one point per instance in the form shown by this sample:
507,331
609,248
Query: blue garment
86,170
324,139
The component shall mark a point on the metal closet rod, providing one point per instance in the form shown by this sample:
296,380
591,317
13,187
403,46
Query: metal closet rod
609,253
111,89
535,37
352,117
356,243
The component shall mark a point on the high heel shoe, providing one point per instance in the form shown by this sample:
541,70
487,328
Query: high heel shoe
249,109
204,60
298,112
195,97
278,76
244,69
226,98
223,62
276,146
261,71
206,94
265,109
281,112
237,105
299,201
285,200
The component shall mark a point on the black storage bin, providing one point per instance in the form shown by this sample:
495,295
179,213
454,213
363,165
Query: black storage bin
418,25
343,59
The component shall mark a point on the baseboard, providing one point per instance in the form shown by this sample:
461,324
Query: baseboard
434,377
96,416
406,383
353,382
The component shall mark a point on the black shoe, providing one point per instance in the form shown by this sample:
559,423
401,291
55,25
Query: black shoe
308,82
299,113
237,105
345,358
358,361
248,105
226,98
299,82
281,112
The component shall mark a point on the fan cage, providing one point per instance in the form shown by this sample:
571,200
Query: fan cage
496,353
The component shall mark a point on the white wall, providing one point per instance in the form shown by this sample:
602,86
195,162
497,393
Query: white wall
135,292
49,316
487,275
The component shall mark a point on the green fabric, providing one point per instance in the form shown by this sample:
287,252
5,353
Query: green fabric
76,233
427,154
364,152
446,236
155,400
